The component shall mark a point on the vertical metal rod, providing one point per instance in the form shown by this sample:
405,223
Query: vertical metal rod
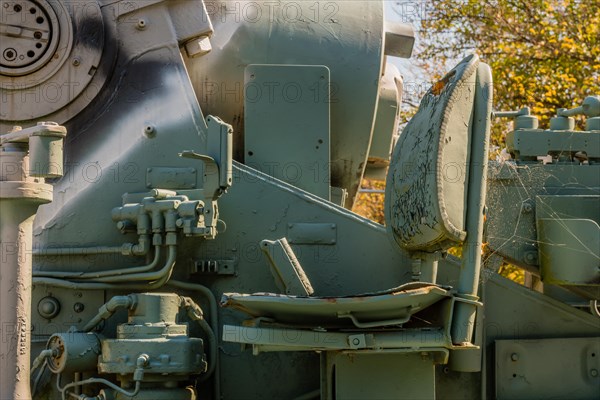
416,269
20,197
429,267
77,378
468,284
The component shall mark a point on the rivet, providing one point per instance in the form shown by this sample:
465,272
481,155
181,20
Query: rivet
48,307
149,131
514,357
594,372
531,257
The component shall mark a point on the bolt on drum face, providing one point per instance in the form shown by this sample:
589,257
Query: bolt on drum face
50,52
29,36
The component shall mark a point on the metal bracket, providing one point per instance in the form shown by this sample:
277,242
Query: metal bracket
267,339
218,168
285,268
214,267
312,233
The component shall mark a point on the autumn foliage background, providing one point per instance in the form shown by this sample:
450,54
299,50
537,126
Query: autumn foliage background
544,54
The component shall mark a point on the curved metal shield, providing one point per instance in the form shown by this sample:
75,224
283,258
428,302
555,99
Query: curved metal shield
425,199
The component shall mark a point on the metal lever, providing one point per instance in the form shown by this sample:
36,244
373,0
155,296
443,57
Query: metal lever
522,118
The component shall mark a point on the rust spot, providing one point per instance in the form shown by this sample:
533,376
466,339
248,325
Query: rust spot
484,247
244,309
378,162
439,86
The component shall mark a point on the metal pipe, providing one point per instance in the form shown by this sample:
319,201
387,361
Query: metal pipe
41,358
20,196
77,378
468,282
146,276
111,385
139,249
63,283
99,274
138,375
109,308
38,378
77,251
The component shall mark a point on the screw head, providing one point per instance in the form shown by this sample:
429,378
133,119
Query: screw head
78,307
514,357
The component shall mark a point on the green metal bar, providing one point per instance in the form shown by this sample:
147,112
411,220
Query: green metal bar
276,339
468,284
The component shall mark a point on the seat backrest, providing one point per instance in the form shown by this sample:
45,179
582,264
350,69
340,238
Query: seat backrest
427,182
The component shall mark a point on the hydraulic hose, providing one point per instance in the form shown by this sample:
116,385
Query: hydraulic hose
109,309
195,313
214,324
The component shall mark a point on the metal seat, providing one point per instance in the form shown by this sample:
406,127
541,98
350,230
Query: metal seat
387,308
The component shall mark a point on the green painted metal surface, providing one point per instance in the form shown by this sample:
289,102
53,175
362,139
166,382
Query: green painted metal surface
287,126
546,368
161,211
383,375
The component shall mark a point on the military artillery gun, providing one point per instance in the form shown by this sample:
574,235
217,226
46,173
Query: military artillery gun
209,151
